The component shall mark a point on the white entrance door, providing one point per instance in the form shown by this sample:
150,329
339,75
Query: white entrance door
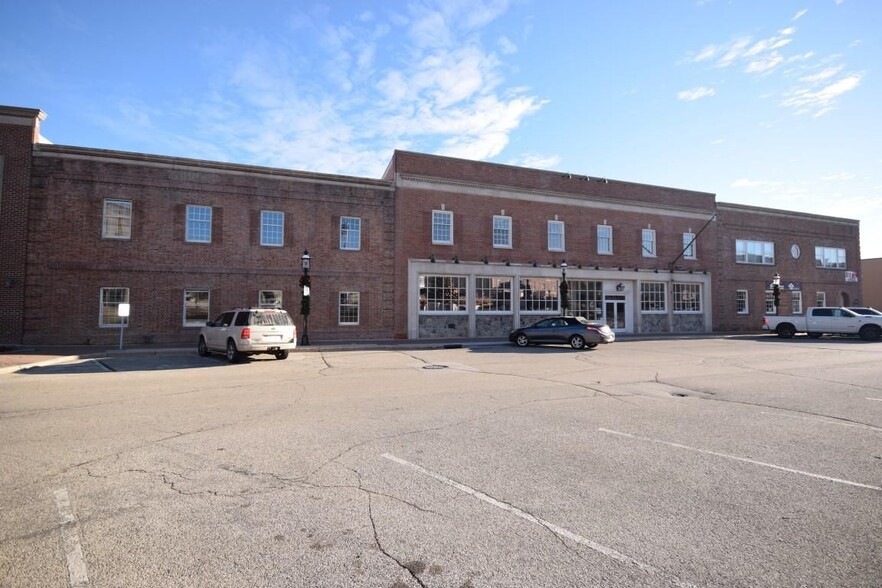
614,311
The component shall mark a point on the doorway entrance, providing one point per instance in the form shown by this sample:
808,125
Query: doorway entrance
614,311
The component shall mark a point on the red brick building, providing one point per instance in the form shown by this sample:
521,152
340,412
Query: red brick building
439,247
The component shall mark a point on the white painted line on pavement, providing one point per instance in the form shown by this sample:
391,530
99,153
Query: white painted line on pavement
743,459
879,399
76,563
825,421
602,549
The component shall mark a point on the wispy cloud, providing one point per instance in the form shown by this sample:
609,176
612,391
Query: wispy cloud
799,14
754,56
820,97
338,97
695,94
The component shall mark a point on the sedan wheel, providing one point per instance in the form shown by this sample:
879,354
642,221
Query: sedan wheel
522,340
202,348
577,342
233,354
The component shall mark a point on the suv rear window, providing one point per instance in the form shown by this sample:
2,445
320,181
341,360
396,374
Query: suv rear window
267,318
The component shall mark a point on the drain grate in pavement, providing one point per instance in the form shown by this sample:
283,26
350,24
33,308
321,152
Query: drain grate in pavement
434,366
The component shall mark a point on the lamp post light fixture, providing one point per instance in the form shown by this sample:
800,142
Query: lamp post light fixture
304,300
776,290
564,287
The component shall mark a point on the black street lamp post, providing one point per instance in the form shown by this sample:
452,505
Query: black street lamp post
304,300
564,288
776,290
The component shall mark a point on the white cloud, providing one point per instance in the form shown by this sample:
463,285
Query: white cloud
817,102
537,161
507,46
695,94
799,14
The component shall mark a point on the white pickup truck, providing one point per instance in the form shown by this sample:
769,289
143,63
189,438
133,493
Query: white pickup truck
826,320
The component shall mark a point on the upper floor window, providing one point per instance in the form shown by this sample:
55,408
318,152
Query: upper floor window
830,257
272,228
198,224
754,252
502,231
111,298
556,240
442,227
604,239
689,246
350,233
117,223
648,241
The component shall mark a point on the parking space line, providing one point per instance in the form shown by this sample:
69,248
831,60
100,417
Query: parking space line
73,551
742,459
825,421
560,531
878,399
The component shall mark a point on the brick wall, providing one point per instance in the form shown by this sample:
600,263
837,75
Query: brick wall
70,261
784,229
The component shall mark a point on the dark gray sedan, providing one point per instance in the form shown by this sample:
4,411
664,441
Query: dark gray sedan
575,330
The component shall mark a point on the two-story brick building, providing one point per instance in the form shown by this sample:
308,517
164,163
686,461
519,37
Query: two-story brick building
439,247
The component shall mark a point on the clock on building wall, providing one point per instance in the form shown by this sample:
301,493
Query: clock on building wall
795,251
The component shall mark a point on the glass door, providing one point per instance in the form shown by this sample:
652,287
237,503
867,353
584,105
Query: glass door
614,307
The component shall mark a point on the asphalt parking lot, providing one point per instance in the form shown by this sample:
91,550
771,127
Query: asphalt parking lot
707,462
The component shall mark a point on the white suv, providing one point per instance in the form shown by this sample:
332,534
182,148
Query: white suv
248,331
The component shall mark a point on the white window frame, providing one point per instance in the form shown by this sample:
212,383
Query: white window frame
108,308
350,233
114,225
195,322
647,237
501,231
449,285
689,249
765,250
821,299
824,255
272,228
556,235
269,299
496,291
345,302
742,296
198,230
442,220
653,298
604,240
678,302
796,302
548,301
770,302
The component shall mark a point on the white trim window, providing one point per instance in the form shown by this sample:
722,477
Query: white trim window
821,299
604,240
348,308
652,297
556,240
759,252
796,302
686,297
741,302
648,243
442,227
493,294
830,257
770,302
198,224
117,220
196,307
272,228
111,298
689,246
539,295
269,299
443,294
350,233
502,231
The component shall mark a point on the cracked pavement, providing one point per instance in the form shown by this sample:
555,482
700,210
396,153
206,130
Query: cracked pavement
192,472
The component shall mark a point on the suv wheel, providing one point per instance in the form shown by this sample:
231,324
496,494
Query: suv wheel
233,354
871,333
202,348
282,354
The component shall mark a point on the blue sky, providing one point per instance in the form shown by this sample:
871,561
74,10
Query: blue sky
763,102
